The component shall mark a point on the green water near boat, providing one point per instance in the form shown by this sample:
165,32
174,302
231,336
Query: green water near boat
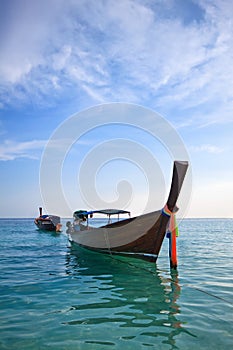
54,296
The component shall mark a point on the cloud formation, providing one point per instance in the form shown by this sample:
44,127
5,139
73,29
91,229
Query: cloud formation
135,51
207,148
11,150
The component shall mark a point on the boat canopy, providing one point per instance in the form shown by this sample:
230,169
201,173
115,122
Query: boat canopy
55,219
45,216
109,212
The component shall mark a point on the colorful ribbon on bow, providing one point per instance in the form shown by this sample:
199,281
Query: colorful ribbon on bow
172,233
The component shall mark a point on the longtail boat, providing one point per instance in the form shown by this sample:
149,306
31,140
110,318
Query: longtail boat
48,222
141,236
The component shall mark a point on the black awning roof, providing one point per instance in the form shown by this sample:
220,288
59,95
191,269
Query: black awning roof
102,211
110,211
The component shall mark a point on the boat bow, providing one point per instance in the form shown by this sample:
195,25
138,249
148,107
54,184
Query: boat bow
141,236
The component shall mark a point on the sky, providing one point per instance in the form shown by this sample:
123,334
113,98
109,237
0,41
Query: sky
98,98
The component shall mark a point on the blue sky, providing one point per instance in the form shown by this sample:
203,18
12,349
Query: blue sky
59,58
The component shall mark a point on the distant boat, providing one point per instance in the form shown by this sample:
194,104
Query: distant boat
140,236
48,222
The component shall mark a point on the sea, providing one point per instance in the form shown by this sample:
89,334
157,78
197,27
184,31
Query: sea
56,296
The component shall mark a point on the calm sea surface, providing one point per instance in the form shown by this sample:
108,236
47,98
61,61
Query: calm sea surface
56,297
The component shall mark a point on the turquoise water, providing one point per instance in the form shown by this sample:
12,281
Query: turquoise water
53,296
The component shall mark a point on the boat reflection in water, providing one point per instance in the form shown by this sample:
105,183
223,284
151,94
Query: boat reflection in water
123,300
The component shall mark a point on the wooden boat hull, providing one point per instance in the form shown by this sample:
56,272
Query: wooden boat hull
48,222
45,225
140,236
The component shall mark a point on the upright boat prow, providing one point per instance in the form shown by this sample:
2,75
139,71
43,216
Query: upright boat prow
140,236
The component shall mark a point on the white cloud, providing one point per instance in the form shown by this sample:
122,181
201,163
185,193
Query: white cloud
61,59
11,150
125,50
207,148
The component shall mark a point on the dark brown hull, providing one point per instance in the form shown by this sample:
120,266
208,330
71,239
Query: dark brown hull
45,226
141,236
127,237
